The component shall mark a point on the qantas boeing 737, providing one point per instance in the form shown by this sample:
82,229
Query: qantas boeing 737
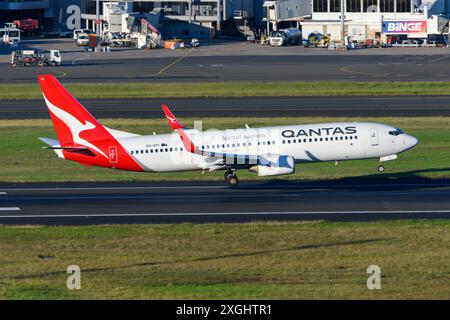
267,151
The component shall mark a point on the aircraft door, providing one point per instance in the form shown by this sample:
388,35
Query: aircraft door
374,137
113,154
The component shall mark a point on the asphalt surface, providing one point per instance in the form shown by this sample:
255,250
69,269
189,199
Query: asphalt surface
222,67
359,106
346,200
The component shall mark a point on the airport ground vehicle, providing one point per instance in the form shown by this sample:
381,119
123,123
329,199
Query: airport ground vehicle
267,151
285,37
28,26
317,39
82,39
10,34
76,32
35,58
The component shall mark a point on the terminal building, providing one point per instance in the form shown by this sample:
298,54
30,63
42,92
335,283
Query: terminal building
186,18
52,14
208,18
369,18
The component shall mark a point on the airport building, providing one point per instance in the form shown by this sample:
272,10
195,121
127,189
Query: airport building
184,18
52,14
366,19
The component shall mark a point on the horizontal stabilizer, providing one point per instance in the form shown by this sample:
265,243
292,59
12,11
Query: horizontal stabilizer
54,145
50,142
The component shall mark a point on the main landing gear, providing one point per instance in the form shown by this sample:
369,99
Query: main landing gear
380,168
231,178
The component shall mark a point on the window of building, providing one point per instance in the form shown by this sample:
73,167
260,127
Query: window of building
353,5
387,5
335,5
320,5
370,5
403,6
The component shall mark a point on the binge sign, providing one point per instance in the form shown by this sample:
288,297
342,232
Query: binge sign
404,27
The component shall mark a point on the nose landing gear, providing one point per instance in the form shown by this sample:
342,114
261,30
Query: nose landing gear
231,178
380,168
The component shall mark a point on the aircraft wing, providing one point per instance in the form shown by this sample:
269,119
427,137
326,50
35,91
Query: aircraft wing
217,160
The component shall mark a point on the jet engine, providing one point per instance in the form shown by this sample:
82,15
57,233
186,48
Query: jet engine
273,165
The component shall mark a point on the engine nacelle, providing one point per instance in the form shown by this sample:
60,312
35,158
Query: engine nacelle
275,166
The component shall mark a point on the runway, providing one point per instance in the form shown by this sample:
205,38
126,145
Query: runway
220,67
201,202
351,106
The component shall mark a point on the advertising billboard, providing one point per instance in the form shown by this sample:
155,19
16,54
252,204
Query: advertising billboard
404,26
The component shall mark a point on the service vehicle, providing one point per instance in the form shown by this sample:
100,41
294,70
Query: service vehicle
35,58
285,37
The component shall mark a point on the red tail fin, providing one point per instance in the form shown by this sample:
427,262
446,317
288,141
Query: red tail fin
75,126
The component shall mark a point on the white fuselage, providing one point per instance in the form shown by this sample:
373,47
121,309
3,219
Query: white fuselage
305,143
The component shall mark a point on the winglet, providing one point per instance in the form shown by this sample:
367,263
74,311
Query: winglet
173,123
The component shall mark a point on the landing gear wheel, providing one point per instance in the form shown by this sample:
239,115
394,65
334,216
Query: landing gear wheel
226,174
380,168
231,179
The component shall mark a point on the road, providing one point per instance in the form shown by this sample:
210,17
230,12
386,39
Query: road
223,67
346,200
401,106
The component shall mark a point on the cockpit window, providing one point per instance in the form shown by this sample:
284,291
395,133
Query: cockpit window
396,132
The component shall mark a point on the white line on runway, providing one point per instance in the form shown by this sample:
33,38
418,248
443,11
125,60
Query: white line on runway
226,187
2,192
9,209
225,214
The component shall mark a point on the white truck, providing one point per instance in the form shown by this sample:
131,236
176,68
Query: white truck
285,37
82,39
35,58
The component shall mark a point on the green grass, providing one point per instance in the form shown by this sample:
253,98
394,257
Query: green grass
228,261
22,158
235,89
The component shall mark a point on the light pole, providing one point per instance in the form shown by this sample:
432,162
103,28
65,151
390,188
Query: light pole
342,24
97,18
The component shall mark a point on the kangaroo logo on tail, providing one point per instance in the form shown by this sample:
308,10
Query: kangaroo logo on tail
75,126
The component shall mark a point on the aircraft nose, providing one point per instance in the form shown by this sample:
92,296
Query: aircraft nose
410,141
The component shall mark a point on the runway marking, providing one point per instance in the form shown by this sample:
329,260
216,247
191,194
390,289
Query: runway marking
9,209
264,213
439,59
175,62
3,193
344,69
63,74
328,186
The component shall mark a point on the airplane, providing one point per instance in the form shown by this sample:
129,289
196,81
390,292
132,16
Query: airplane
266,151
